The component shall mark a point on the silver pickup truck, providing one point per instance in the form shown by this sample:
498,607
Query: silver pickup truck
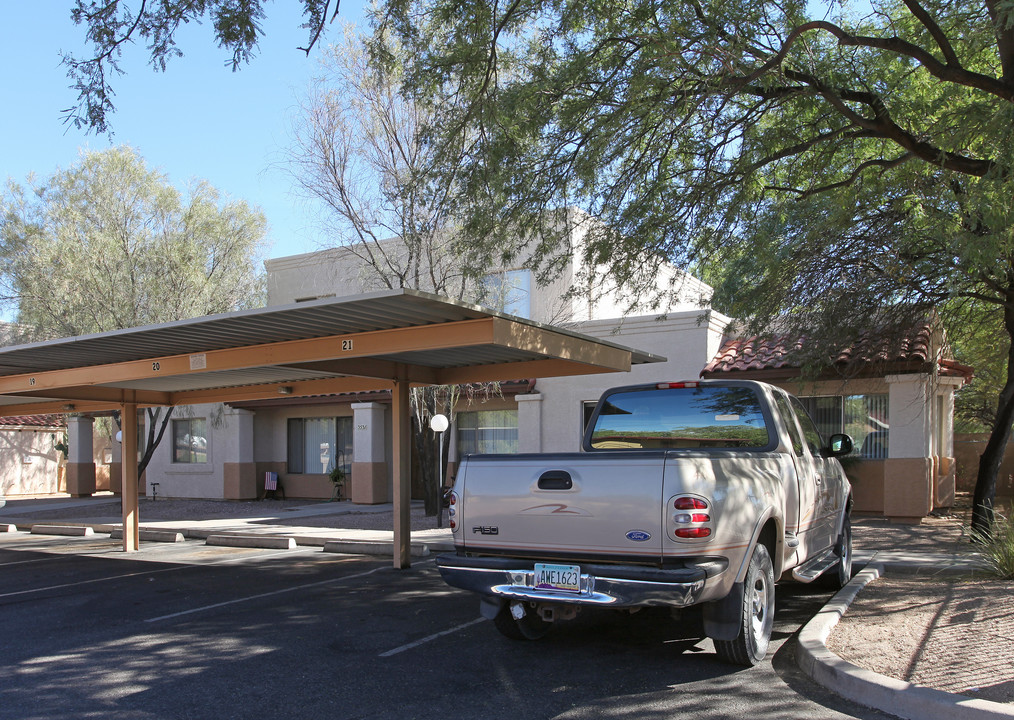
687,493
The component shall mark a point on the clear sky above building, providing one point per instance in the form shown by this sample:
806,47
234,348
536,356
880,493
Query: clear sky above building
198,120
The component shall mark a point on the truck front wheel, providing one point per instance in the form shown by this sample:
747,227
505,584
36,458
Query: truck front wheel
756,613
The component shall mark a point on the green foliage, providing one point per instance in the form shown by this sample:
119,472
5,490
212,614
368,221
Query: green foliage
704,133
997,547
110,244
113,25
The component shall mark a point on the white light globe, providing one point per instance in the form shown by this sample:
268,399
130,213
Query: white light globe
438,423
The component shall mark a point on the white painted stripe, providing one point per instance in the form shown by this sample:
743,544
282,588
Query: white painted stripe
90,582
263,595
25,562
428,638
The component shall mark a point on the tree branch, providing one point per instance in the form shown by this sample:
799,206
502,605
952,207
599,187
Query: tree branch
941,39
948,72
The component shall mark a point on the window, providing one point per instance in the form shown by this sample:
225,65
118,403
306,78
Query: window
682,417
316,444
863,417
786,413
488,431
190,440
810,432
510,292
587,410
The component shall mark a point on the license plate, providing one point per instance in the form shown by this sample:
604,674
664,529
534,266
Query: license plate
558,577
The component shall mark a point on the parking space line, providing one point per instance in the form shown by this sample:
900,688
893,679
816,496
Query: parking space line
25,562
428,638
263,595
89,582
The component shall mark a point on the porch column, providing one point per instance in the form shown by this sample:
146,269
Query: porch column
239,472
80,456
129,465
401,431
908,470
369,464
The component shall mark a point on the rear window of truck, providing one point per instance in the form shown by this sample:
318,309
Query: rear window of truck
691,417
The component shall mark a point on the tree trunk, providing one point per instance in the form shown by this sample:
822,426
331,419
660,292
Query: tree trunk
426,448
992,456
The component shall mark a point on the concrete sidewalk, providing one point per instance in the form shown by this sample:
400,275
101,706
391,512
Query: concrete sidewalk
265,520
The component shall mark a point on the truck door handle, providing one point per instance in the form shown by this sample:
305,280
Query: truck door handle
555,480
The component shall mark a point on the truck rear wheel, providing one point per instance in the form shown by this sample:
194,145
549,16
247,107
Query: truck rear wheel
756,616
528,627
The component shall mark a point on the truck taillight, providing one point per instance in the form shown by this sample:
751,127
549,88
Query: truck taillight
693,533
692,517
688,502
452,511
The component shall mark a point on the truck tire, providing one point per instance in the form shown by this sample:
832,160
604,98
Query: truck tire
756,614
838,575
529,627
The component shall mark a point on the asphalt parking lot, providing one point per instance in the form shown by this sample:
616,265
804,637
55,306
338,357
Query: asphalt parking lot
191,631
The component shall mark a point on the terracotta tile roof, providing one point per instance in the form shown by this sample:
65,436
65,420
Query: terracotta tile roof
781,352
42,421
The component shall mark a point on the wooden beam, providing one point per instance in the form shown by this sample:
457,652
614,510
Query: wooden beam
128,464
465,333
552,344
515,371
95,393
299,388
55,407
370,368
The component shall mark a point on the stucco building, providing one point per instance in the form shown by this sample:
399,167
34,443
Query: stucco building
900,415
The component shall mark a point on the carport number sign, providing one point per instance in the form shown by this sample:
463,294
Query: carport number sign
346,345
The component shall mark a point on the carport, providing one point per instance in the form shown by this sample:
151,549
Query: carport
390,340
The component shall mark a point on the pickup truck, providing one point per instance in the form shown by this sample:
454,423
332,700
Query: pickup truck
686,494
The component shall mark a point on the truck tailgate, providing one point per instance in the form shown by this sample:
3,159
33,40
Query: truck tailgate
566,506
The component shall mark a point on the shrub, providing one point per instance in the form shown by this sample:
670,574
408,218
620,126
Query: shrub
998,547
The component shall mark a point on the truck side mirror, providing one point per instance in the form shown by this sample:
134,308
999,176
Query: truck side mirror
840,444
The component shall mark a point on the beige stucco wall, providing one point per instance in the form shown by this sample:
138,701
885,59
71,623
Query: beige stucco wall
29,461
968,448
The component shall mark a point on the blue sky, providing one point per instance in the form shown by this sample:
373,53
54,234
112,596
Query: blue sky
197,120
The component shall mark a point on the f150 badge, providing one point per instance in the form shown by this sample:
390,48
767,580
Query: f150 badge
638,536
486,530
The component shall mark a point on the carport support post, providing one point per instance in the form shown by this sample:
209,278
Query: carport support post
128,435
401,425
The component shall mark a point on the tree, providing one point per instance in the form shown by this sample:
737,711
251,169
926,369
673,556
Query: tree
109,243
859,162
112,25
359,150
692,129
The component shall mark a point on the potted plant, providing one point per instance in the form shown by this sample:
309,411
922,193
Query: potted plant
337,477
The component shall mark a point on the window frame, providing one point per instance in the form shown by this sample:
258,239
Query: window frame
191,431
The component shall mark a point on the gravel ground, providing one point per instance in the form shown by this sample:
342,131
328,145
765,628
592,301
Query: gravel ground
951,634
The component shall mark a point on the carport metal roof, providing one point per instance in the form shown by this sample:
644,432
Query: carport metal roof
386,340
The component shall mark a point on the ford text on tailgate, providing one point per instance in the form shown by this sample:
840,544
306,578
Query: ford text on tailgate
688,494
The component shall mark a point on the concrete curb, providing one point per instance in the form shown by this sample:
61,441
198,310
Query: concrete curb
371,547
169,536
267,542
72,530
4,527
871,689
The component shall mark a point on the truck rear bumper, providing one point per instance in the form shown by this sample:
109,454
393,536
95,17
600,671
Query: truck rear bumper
601,585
